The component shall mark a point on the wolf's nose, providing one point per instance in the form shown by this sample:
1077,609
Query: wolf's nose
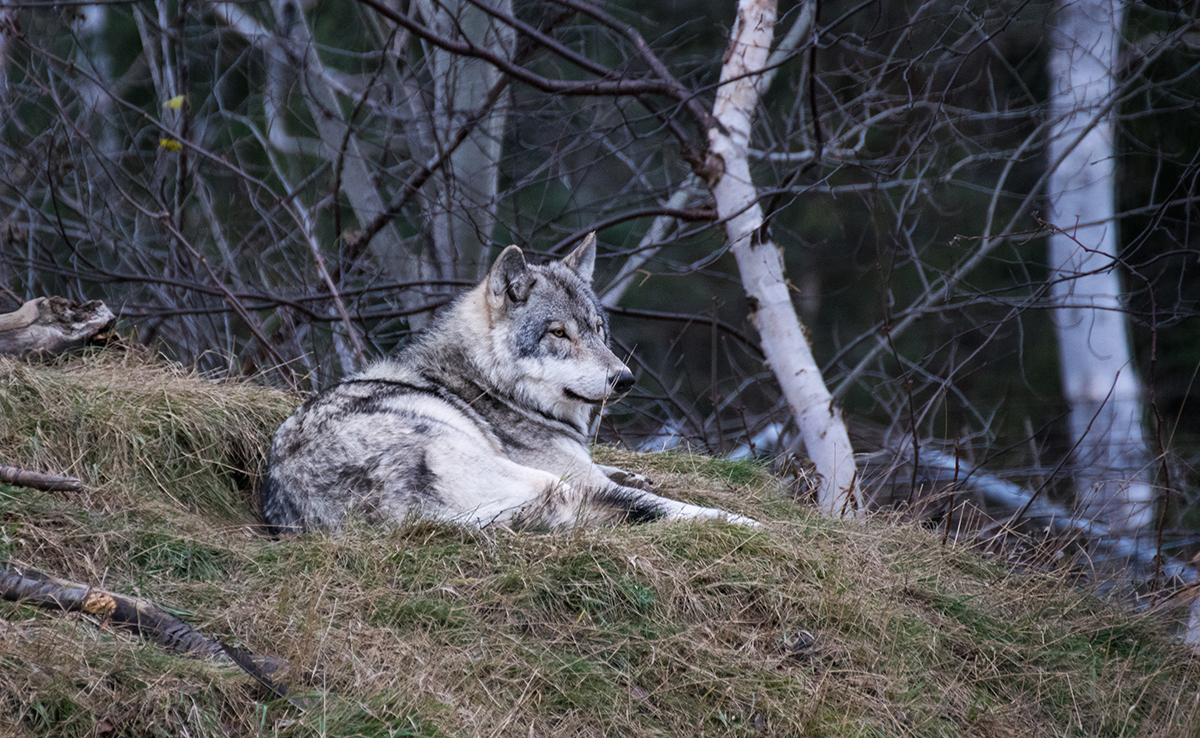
622,383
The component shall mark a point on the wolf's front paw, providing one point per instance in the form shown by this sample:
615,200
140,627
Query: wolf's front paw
741,520
628,478
713,513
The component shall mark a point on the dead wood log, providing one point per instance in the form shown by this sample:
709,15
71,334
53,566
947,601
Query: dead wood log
135,615
38,480
51,325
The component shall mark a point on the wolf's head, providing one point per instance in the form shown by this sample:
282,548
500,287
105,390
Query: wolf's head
547,342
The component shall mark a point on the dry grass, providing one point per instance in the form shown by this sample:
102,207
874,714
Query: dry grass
810,627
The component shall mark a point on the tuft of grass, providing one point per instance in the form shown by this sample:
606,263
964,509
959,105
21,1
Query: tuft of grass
137,428
166,553
806,627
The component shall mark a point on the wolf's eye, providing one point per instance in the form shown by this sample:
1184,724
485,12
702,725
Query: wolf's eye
558,332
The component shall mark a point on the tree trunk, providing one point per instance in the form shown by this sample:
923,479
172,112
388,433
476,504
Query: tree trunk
340,143
462,207
1099,380
761,262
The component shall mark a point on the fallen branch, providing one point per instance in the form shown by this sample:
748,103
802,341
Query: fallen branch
137,616
51,324
938,467
38,480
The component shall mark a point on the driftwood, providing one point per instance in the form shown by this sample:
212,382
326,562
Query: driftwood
38,480
51,325
137,616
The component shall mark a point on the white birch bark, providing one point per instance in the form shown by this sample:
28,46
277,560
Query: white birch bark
761,262
651,242
462,207
1099,381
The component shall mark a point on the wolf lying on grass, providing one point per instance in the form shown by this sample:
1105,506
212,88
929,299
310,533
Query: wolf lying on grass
482,420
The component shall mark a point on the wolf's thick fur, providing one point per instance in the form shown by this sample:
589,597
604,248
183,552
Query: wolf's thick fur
482,420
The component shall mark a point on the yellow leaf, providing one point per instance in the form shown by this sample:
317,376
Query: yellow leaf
176,102
170,144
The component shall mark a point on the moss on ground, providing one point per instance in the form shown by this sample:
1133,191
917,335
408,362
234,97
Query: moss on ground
807,627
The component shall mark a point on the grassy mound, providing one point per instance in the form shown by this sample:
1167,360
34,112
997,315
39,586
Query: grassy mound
809,627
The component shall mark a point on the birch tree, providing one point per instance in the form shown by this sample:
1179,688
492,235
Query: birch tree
1099,377
339,141
761,262
461,207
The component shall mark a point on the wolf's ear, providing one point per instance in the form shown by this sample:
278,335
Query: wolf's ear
509,278
582,260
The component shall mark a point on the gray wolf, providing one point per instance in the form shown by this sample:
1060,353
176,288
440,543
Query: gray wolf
482,420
